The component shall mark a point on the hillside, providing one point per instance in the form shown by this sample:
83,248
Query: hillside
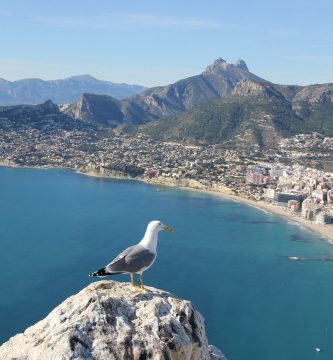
45,117
253,114
226,104
95,108
35,91
217,81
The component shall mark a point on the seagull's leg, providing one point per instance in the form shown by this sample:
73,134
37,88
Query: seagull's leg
141,283
132,279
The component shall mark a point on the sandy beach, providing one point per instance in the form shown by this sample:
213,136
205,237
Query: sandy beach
324,230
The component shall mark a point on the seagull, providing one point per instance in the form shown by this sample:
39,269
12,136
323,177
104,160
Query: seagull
138,258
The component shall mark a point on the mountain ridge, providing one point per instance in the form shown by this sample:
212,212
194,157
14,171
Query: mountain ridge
36,90
226,104
216,81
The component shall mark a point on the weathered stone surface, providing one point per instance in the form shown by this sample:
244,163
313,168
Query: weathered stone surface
255,89
215,353
112,320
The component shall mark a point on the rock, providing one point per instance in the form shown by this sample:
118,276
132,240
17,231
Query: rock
215,353
112,320
242,64
315,94
257,90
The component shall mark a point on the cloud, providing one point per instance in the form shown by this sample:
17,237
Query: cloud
133,21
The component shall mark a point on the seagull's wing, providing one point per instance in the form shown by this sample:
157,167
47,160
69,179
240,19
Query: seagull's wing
139,257
117,263
133,259
121,255
110,268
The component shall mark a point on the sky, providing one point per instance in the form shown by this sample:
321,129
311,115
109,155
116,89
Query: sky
159,42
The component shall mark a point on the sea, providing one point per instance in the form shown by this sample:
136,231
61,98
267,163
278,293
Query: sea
231,260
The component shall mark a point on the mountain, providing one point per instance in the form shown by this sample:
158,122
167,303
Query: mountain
225,104
253,114
35,91
217,81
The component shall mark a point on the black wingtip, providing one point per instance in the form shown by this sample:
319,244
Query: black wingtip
95,273
100,272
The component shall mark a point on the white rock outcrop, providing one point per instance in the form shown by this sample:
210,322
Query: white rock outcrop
109,320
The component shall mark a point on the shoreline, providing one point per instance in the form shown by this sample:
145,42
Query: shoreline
324,230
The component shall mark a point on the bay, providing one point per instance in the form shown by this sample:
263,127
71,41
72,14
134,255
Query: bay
229,259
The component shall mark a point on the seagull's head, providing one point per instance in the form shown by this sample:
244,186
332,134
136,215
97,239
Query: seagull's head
156,226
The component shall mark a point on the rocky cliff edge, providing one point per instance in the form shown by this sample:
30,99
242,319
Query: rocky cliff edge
112,320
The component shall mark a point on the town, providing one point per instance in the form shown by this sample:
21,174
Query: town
261,175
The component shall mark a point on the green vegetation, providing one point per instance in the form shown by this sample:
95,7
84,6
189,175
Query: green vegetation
220,121
318,117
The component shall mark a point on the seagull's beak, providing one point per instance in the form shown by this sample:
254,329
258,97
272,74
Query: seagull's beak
168,228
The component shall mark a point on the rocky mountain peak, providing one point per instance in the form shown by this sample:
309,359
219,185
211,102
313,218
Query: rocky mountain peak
112,320
218,65
241,64
219,61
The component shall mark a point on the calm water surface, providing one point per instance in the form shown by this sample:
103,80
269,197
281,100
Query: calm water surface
229,259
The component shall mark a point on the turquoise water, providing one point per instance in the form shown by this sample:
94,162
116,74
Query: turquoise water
229,259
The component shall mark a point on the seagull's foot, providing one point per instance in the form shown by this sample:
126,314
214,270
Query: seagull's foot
143,288
137,291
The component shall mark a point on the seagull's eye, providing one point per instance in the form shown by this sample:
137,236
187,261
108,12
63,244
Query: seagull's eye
159,224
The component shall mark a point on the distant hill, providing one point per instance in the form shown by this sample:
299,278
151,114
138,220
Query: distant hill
35,91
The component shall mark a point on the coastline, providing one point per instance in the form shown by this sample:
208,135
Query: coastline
324,230
192,185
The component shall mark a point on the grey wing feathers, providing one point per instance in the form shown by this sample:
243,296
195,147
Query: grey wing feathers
133,259
121,255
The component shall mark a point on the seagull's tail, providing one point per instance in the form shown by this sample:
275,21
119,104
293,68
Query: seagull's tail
103,272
